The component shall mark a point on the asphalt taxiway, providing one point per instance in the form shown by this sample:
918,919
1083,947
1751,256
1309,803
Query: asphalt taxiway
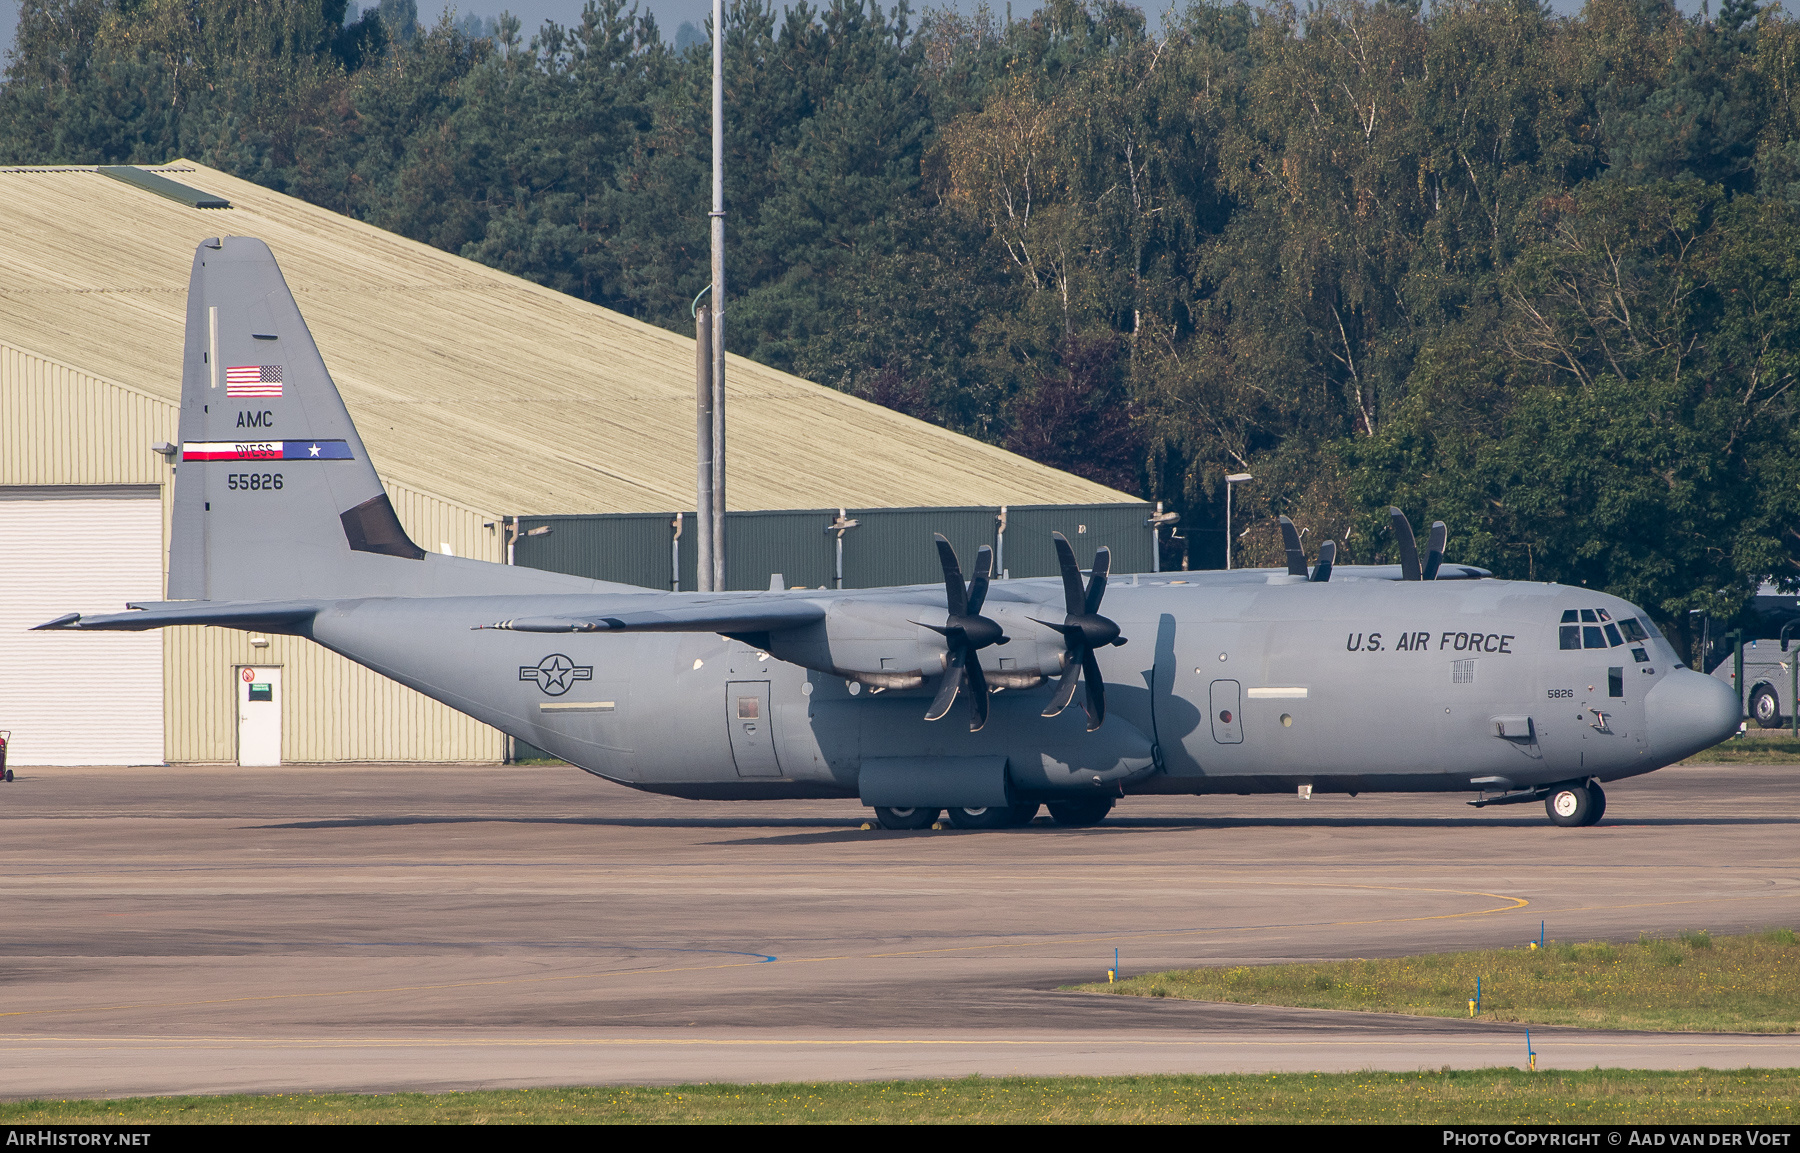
217,929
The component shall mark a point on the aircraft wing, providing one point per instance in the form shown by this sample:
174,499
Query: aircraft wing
764,613
268,616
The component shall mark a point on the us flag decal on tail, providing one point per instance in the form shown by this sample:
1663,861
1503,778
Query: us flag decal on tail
253,380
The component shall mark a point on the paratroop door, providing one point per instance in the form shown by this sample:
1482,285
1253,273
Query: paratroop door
752,728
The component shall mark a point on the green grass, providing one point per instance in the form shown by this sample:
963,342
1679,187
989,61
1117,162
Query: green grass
1694,983
1748,1096
1750,750
1753,746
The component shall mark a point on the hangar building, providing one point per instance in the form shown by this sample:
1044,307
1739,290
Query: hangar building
478,395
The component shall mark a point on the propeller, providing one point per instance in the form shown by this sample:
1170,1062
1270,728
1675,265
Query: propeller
1327,553
1296,557
966,632
1083,630
1410,569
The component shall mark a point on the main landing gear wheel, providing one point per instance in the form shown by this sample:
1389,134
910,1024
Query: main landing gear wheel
1077,814
1574,804
992,817
1765,707
917,818
1025,814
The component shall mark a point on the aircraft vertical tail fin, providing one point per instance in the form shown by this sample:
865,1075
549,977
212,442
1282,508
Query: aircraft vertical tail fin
274,493
275,496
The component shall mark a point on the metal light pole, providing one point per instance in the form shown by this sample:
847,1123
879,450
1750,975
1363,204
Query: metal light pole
703,450
718,298
1231,483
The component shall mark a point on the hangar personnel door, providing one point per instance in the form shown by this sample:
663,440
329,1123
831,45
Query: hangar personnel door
259,715
752,728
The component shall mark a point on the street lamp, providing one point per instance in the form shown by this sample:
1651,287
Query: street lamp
1231,483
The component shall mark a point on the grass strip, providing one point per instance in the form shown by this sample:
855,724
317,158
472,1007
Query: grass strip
1693,983
1750,748
1490,1096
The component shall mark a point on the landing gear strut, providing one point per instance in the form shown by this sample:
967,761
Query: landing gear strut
1575,804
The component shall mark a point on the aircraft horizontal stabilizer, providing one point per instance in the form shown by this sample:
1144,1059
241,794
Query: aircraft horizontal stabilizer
265,616
764,614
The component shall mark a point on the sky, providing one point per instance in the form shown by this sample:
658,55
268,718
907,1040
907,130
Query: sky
670,14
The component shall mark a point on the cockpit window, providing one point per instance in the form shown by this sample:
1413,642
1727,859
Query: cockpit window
1595,629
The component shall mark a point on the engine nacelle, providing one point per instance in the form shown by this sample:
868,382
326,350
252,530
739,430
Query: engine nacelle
867,641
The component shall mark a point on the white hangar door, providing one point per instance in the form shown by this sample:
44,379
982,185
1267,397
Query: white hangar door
79,698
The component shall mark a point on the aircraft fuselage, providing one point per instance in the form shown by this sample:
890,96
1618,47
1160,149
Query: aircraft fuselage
1354,685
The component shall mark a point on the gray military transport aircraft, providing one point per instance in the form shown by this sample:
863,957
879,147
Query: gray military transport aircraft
1417,677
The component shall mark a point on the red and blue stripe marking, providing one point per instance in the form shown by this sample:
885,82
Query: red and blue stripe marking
267,450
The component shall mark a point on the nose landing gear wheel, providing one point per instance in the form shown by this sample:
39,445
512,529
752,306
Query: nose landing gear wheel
916,818
1575,804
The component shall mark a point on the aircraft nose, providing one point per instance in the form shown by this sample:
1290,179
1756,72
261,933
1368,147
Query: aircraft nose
1688,711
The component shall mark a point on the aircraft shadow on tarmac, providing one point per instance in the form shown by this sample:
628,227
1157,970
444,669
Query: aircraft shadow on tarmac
832,830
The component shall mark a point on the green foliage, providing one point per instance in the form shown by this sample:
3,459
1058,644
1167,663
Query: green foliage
1533,275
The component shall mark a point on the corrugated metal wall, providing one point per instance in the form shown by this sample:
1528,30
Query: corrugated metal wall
889,546
59,425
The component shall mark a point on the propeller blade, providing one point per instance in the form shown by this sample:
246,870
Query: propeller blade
1065,691
1327,553
946,694
1071,575
978,694
1290,539
954,590
1097,583
1096,689
1403,535
984,568
1434,550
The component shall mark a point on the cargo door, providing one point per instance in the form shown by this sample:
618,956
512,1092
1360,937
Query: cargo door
752,728
1227,712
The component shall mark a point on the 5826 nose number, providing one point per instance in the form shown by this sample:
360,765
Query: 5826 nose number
253,481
